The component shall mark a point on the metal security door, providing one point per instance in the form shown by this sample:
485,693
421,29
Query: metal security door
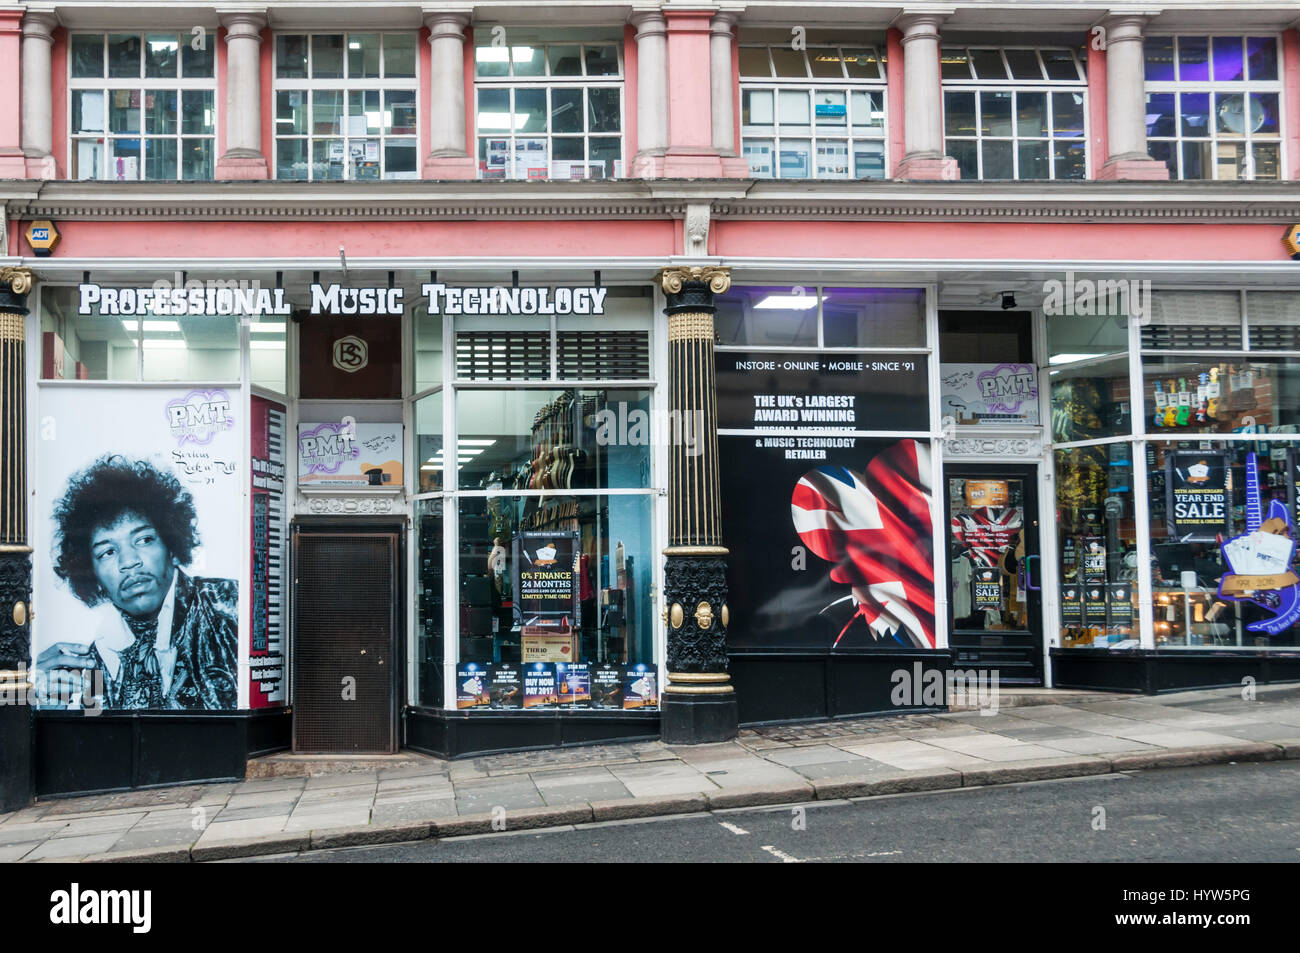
346,620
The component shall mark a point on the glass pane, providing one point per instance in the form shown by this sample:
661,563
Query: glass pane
1193,59
160,112
1274,320
528,61
491,61
863,64
363,159
1222,396
1167,153
429,664
789,63
85,347
1159,54
767,315
428,349
605,151
959,114
995,113
327,56
291,112
1024,64
291,159
794,109
328,158
400,112
1261,55
197,111
1090,396
831,108
868,111
794,159
1160,115
826,64
1230,114
603,110
756,107
1034,163
1197,160
987,522
1186,320
567,149
1031,114
873,317
429,445
399,159
87,55
988,64
291,56
266,358
869,160
833,160
1071,160
997,160
1193,114
124,110
1231,160
966,152
204,348
1061,65
530,110
123,160
754,61
196,159
326,112
1067,114
955,63
161,54
758,153
1263,114
1097,542
601,60
363,55
1267,160
1228,61
123,55
564,60
364,114
160,159
494,110
87,110
399,55
197,64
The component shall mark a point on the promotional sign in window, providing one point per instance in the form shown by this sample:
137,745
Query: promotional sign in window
1094,603
607,686
639,689
472,687
1071,605
1119,596
349,454
539,685
505,687
266,589
139,549
1094,561
573,684
766,390
988,589
1262,560
1196,485
545,578
1001,395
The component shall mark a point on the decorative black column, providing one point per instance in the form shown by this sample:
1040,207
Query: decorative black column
698,703
16,774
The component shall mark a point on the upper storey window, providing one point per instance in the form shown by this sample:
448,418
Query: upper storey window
345,106
1015,112
548,106
143,106
1213,109
813,113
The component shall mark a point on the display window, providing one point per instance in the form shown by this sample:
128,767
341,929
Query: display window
811,316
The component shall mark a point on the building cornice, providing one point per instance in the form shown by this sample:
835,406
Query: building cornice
751,200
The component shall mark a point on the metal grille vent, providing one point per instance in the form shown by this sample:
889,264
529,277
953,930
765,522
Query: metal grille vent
1189,337
603,355
1274,337
503,355
346,607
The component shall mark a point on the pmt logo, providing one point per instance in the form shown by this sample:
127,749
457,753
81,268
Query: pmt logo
351,354
199,416
102,907
326,448
1007,386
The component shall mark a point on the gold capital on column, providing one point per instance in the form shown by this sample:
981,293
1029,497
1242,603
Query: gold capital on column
717,278
18,278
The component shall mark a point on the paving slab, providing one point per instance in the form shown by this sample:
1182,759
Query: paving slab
70,847
812,754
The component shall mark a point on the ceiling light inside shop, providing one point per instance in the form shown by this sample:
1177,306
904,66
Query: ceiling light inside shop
1070,358
789,302
169,326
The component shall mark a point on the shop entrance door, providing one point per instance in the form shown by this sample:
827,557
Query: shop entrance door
995,606
346,663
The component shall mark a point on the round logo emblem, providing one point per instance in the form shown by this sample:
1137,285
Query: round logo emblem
350,354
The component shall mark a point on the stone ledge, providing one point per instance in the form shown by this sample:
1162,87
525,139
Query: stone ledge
143,855
784,793
1201,754
364,834
252,846
623,809
1038,770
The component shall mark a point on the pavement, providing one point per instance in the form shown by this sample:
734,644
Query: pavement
317,804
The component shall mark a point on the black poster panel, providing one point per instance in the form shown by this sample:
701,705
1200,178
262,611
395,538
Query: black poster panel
876,524
770,390
1196,486
546,587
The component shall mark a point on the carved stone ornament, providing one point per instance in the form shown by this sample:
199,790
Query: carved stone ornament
349,505
718,279
991,446
19,279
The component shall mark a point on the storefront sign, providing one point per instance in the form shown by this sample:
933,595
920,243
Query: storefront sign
988,589
1196,485
266,637
472,685
164,300
765,390
1001,395
349,454
501,300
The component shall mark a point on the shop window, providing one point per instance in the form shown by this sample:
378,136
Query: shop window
428,349
90,347
143,107
345,106
549,108
1088,376
1014,113
429,602
1213,106
428,443
197,348
268,352
1274,320
1186,320
554,603
798,316
816,113
1097,547
1223,567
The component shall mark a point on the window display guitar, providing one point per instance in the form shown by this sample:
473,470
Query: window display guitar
556,453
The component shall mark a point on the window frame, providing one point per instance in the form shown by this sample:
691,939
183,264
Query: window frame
345,86
140,84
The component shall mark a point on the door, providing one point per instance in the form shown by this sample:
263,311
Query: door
994,571
345,658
